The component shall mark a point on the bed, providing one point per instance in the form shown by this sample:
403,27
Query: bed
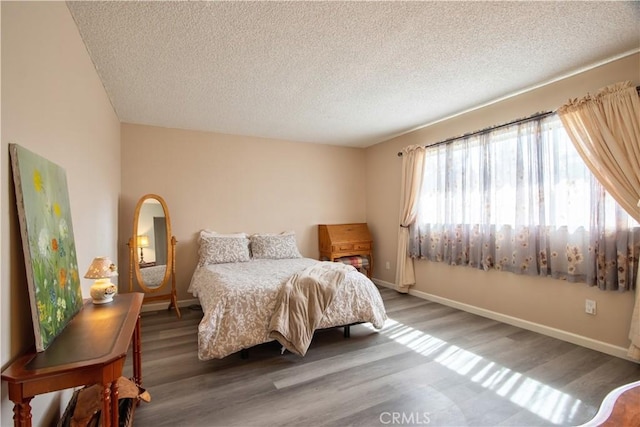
239,297
153,276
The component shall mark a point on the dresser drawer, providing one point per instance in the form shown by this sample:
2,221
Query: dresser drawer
342,247
362,246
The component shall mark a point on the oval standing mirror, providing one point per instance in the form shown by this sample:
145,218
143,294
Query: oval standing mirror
152,250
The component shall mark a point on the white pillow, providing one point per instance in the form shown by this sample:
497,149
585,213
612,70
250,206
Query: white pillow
216,248
207,232
274,246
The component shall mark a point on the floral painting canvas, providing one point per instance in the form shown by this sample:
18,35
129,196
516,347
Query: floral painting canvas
48,244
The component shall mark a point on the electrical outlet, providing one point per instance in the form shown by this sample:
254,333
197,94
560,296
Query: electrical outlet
387,265
590,307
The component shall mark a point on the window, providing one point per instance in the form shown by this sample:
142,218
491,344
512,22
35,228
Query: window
520,199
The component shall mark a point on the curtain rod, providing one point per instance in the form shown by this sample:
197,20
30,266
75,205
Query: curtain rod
514,122
489,129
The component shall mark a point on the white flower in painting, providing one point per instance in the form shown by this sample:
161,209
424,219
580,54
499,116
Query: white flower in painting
64,228
43,241
62,304
59,314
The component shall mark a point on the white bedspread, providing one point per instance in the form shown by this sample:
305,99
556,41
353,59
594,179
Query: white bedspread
238,300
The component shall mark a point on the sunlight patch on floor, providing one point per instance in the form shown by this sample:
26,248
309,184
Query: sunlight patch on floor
543,400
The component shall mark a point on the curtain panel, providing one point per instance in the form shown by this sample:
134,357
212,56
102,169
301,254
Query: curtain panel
605,129
412,176
520,199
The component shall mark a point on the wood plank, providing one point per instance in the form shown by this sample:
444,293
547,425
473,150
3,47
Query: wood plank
459,368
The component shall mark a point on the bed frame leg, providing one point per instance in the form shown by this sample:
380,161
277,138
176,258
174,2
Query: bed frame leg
244,353
347,331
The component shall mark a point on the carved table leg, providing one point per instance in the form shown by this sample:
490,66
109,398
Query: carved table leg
22,413
115,413
106,405
137,355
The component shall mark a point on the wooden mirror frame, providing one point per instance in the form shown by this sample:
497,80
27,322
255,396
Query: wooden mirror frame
170,269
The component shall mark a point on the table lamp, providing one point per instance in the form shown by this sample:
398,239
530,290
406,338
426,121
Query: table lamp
142,242
102,290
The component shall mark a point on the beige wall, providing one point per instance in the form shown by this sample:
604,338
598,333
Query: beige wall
544,301
236,183
53,104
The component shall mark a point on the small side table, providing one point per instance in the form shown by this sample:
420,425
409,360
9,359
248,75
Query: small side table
90,350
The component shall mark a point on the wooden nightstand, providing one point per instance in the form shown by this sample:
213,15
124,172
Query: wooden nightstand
345,240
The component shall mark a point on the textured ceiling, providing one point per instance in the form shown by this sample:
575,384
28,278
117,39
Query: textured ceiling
344,73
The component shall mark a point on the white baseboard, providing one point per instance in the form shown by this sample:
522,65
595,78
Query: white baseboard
384,284
580,340
156,306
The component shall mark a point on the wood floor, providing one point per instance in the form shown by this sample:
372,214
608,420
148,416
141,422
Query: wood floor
430,365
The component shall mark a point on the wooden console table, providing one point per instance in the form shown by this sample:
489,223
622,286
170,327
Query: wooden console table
90,350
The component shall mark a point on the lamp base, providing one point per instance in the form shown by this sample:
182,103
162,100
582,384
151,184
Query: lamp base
102,291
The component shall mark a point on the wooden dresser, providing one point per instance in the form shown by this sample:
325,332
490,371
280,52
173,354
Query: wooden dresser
346,240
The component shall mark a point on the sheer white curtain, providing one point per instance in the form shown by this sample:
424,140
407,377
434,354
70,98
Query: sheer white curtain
520,199
412,173
605,129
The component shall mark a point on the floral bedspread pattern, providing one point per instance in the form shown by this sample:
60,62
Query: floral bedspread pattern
153,276
239,299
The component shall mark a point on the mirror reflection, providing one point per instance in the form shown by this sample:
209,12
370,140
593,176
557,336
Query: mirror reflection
152,243
152,251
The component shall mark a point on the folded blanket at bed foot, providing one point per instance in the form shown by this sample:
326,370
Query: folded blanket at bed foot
302,302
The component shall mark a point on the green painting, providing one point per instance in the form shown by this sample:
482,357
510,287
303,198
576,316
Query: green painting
47,241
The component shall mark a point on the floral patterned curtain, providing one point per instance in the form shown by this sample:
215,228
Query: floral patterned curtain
520,199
